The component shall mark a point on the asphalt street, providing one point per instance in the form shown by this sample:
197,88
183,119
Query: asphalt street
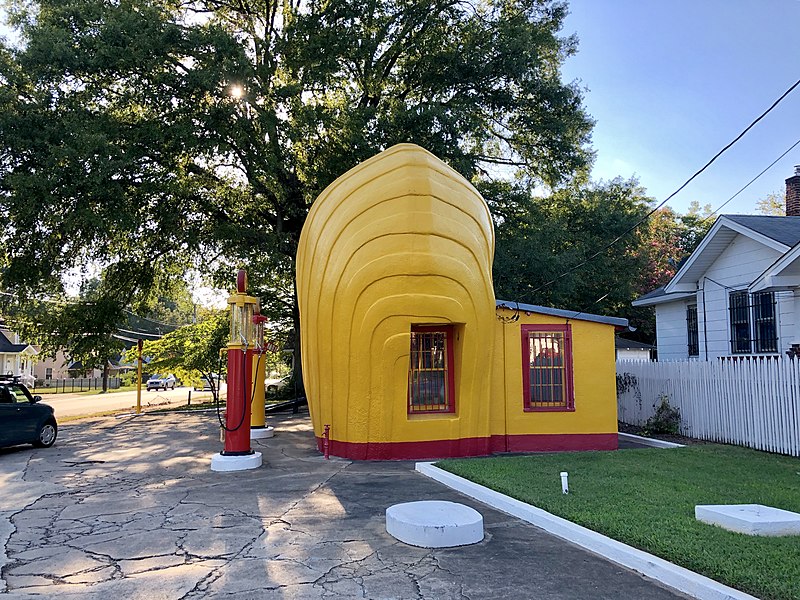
73,405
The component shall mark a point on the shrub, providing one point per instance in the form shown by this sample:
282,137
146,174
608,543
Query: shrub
666,420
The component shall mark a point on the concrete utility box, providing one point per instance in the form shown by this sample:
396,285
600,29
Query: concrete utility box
752,519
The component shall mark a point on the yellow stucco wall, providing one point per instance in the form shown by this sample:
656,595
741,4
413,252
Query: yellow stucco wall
401,239
594,380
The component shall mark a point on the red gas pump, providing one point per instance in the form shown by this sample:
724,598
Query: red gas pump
237,454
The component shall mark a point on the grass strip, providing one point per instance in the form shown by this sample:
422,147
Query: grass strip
646,498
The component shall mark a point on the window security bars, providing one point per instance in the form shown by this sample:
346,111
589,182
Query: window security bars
765,330
759,334
692,332
548,365
430,376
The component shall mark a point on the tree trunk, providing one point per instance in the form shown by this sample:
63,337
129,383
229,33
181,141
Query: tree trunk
106,369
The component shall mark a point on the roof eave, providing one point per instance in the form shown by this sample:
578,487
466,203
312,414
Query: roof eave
677,283
666,298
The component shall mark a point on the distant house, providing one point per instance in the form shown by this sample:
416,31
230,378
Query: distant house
16,358
633,350
738,294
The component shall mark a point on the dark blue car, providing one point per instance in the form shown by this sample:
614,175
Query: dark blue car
22,419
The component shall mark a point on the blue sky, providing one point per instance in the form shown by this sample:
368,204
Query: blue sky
671,83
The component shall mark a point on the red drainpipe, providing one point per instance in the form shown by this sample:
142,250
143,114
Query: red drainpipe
326,442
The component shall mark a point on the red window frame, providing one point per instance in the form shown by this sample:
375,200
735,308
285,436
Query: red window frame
435,376
567,389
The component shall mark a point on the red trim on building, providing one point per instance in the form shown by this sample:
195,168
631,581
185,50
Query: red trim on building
471,446
450,371
569,391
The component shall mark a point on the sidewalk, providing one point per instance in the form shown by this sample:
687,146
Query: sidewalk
131,510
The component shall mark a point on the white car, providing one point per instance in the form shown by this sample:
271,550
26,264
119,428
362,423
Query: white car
156,382
205,385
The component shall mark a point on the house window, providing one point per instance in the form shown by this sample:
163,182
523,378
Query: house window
691,330
739,307
753,324
431,379
765,331
547,367
48,373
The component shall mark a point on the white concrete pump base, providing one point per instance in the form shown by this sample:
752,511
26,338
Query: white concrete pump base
220,462
261,433
434,524
752,519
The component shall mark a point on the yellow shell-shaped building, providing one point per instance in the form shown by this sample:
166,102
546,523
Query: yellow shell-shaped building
406,353
399,244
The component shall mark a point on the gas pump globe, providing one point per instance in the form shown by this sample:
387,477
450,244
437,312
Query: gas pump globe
242,307
242,343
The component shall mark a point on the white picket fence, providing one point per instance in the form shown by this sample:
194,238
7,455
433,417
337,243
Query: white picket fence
751,403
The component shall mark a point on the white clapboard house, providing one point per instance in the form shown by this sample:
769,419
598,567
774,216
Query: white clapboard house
738,294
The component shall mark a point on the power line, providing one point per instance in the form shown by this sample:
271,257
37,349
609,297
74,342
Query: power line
772,164
672,195
130,312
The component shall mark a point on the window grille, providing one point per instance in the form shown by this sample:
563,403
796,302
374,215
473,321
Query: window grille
547,367
739,307
430,376
754,326
765,331
692,330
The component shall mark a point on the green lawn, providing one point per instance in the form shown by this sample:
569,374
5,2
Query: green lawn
646,498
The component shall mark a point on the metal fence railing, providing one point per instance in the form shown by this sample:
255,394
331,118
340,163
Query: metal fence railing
75,384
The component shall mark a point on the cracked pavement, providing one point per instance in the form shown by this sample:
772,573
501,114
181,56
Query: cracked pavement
129,508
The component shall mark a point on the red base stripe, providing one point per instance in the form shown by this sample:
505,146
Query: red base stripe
471,446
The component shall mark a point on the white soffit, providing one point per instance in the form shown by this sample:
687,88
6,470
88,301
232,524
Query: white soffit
783,274
718,238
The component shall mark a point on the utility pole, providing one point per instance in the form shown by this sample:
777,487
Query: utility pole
138,376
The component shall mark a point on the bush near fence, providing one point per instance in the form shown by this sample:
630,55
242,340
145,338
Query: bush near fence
753,403
76,384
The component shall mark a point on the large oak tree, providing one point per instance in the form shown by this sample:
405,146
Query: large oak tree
145,135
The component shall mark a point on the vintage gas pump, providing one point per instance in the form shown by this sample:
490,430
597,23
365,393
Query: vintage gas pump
237,454
258,422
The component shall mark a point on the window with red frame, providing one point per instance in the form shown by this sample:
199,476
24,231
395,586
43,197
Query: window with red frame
547,367
431,381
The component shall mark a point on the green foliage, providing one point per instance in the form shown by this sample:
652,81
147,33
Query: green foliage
122,146
667,419
646,498
128,379
773,204
191,351
539,239
666,241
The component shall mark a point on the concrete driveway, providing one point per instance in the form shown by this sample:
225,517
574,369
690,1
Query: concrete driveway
128,508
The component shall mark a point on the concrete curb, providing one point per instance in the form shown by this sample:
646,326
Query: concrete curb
671,575
649,441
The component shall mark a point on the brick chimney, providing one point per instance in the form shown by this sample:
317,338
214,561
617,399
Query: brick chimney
793,194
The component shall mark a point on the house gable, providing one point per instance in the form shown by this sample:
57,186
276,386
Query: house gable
719,238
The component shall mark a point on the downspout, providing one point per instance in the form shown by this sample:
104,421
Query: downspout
705,320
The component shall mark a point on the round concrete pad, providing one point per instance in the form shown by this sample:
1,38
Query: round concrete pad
261,433
220,462
434,524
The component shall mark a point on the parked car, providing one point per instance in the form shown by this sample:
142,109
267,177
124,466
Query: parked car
205,384
156,382
23,419
273,388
